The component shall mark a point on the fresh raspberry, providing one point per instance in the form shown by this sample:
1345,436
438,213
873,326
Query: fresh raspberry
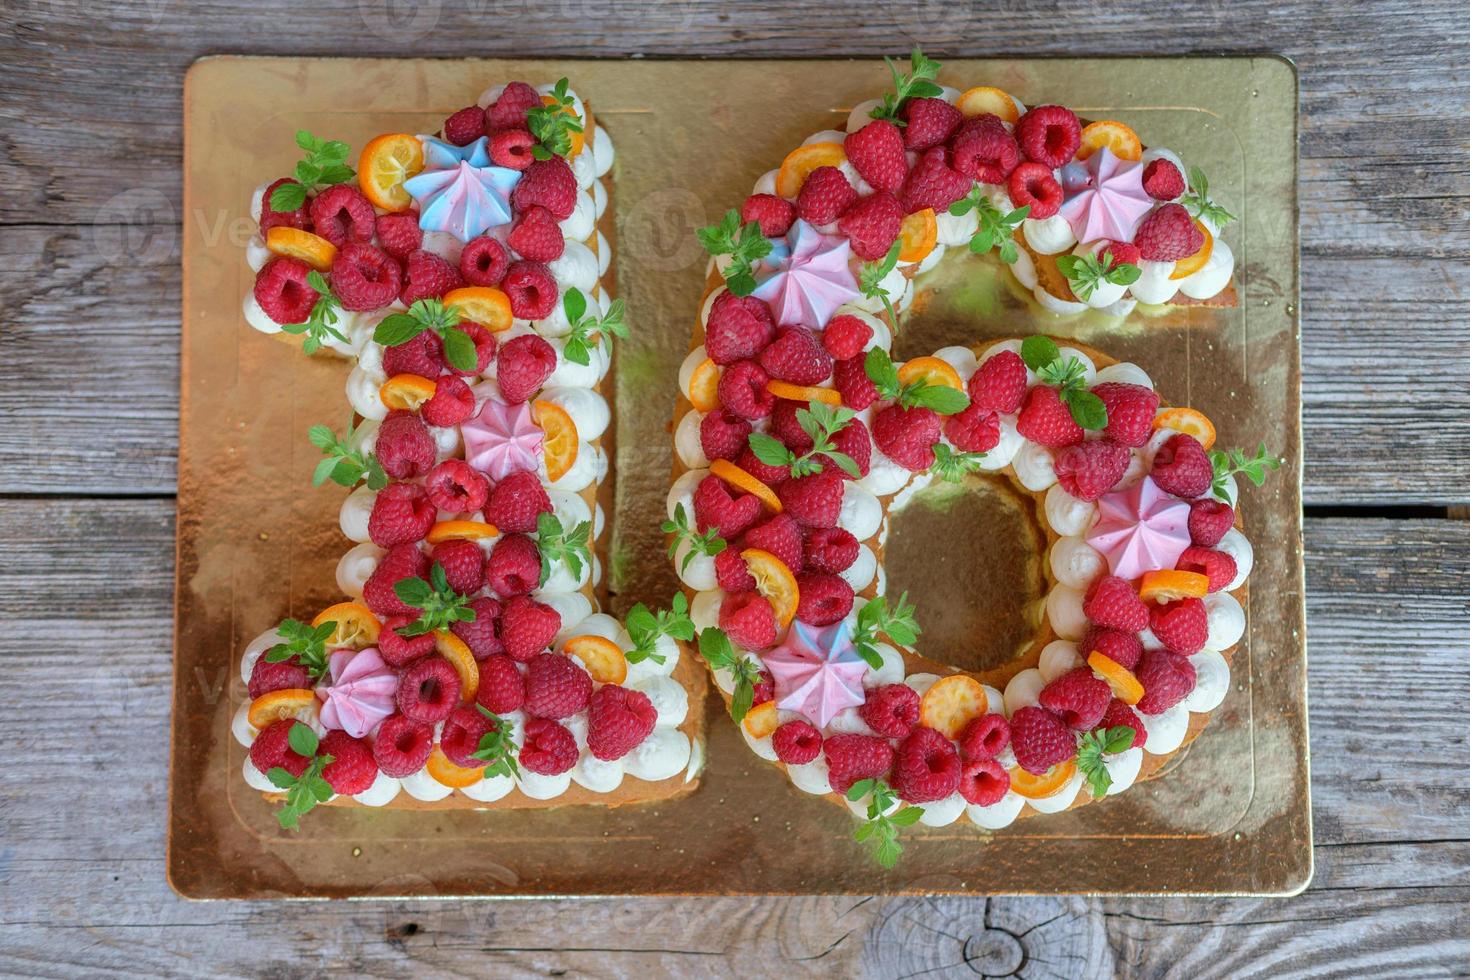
926,767
483,261
974,430
522,366
618,720
463,563
781,536
399,651
797,356
933,183
401,562
1119,715
1045,419
352,769
907,435
985,737
501,688
421,354
550,748
271,218
1123,253
1182,626
549,183
1131,411
786,425
485,344
796,743
748,620
531,288
854,440
891,710
1032,185
514,567
272,748
846,336
723,434
1167,679
1000,383
282,291
851,380
830,549
402,513
871,225
404,446
774,215
537,236
402,746
738,328
814,501
764,688
851,758
1162,181
716,507
1040,740
929,123
876,153
824,196
365,277
1123,649
984,150
1050,135
427,276
1168,234
983,782
479,634
340,214
454,486
742,390
428,690
1209,520
1090,469
509,110
517,502
1182,467
527,627
556,686
512,149
732,573
1217,566
399,233
824,598
1079,697
460,738
465,126
266,677
769,474
1112,602
451,403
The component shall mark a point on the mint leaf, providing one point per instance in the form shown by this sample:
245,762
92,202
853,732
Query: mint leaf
325,164
745,246
871,276
496,749
995,227
553,124
556,544
951,465
881,829
1038,351
707,543
303,792
343,464
430,314
1198,202
320,324
1253,468
1069,377
589,331
715,647
917,83
439,606
1092,746
305,642
874,618
645,628
1085,273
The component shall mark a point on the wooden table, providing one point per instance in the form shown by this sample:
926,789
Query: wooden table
89,207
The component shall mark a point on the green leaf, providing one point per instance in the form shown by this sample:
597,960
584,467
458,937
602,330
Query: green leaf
1198,202
714,647
552,125
459,350
942,399
1038,351
287,197
951,466
574,304
745,246
860,789
280,777
878,366
438,604
770,451
1253,468
917,83
1087,409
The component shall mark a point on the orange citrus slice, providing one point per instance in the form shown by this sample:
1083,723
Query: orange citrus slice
386,162
774,581
559,440
450,774
485,305
800,162
803,393
704,386
736,477
1049,783
294,243
761,721
1193,263
460,531
1117,137
1168,585
933,371
579,140
917,235
601,656
951,703
982,99
453,649
1125,686
357,627
406,391
291,702
1190,422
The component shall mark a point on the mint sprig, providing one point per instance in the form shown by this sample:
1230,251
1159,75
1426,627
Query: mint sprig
1069,376
590,330
430,314
344,465
1085,273
745,245
715,647
917,83
439,605
558,544
881,371
325,164
821,422
951,465
881,828
321,324
1228,463
305,791
552,125
306,642
996,227
1198,202
646,627
1091,748
870,280
496,749
708,543
875,619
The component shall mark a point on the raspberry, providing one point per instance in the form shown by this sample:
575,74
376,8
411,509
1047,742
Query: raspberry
523,365
781,536
463,563
399,233
427,276
617,721
932,183
871,225
1168,234
786,426
512,149
769,474
824,598
814,501
854,440
985,737
984,150
891,710
479,634
465,126
531,288
1182,626
537,236
1209,520
715,506
1131,411
509,110
1123,253
1000,383
266,677
1032,185
517,502
796,743
1123,649
484,342
340,214
402,746
550,749
1040,740
282,291
1090,469
1167,679
926,767
549,183
1078,697
483,262
421,354
876,153
365,277
401,562
454,486
748,620
1162,181
738,328
929,123
732,573
974,430
983,782
514,567
824,196
830,549
851,758
271,218
428,690
907,435
352,769
501,688
556,686
1120,715
846,336
774,215
764,688
402,513
398,650
851,380
272,748
527,627
1217,566
404,446
1045,419
451,403
742,390
1182,467
1050,135
460,738
1112,602
723,434
797,356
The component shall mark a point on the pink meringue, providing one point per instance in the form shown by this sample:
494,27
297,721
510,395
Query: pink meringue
1141,529
1111,203
501,439
361,693
810,283
817,672
463,200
